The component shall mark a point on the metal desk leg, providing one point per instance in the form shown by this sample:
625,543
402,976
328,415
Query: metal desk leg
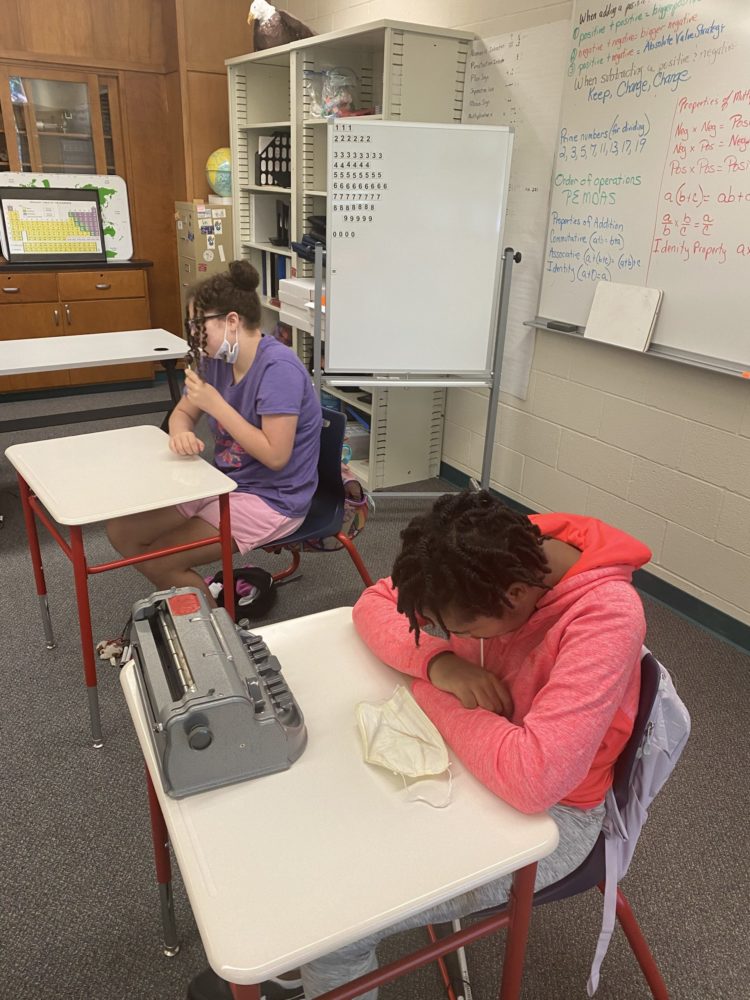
225,531
520,904
174,386
36,561
163,871
175,392
80,571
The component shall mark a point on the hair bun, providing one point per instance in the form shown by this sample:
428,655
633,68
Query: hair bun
244,275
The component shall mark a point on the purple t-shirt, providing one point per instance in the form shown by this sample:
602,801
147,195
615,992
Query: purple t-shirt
275,383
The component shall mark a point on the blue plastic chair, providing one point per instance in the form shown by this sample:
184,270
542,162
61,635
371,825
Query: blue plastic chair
326,514
592,871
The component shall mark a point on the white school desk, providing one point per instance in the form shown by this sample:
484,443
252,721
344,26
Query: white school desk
285,868
94,477
46,354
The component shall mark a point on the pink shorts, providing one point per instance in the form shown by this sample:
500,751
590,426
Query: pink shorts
253,522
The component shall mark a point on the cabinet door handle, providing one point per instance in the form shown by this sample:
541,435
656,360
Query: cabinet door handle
103,286
68,317
10,291
56,314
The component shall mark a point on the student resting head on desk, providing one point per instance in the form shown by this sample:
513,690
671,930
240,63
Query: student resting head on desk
266,421
535,687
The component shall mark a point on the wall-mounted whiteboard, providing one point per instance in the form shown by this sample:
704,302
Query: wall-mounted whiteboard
414,246
651,184
514,79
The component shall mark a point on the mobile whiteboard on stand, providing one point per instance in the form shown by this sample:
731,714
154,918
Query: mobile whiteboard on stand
417,282
414,246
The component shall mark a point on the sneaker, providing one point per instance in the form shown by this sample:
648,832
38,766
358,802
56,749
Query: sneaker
214,589
208,986
246,592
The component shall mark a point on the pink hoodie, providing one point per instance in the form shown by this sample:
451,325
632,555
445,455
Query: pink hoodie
571,670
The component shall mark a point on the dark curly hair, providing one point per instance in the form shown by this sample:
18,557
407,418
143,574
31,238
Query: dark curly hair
465,554
231,291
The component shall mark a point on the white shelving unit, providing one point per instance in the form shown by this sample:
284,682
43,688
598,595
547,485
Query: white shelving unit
405,72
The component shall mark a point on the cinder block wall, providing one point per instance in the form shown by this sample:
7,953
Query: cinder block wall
660,449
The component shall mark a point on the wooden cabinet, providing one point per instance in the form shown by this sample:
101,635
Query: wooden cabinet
17,287
65,303
55,121
98,285
30,319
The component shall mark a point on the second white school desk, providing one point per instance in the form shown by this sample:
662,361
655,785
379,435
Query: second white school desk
47,354
89,478
285,868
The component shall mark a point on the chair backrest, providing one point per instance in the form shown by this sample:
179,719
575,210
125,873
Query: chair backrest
331,445
326,514
650,676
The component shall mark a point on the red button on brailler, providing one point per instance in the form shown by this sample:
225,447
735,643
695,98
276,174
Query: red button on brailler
184,604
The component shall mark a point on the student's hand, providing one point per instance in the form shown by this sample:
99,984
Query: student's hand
474,686
200,393
185,443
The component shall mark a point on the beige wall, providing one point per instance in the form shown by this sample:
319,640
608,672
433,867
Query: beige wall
660,449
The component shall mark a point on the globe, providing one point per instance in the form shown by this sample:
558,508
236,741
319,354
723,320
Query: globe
219,172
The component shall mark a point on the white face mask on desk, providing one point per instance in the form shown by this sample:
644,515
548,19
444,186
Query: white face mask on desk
397,735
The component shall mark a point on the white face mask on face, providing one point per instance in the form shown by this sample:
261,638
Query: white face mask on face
225,352
397,735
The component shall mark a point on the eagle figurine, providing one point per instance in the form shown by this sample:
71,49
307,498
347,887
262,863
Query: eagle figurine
273,27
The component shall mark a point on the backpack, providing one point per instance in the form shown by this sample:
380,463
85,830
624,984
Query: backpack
254,592
664,739
357,506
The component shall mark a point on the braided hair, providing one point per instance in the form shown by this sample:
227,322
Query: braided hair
465,554
231,291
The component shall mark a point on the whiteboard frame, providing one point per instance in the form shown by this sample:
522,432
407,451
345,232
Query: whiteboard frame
662,351
468,373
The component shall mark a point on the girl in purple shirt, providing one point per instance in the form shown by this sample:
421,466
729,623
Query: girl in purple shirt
266,422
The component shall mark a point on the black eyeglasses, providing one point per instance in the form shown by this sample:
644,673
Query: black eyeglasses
191,325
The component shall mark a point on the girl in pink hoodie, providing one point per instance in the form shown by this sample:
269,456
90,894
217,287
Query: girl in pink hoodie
535,688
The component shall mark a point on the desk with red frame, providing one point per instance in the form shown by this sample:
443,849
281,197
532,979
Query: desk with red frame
90,478
285,868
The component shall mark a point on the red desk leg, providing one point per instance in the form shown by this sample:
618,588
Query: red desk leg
163,871
225,531
80,571
245,992
521,897
36,561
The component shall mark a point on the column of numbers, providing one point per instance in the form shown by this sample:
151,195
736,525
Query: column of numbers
358,182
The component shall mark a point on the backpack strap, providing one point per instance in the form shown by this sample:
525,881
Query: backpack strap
613,829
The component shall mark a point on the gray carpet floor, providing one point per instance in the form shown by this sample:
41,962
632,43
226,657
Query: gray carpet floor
79,913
